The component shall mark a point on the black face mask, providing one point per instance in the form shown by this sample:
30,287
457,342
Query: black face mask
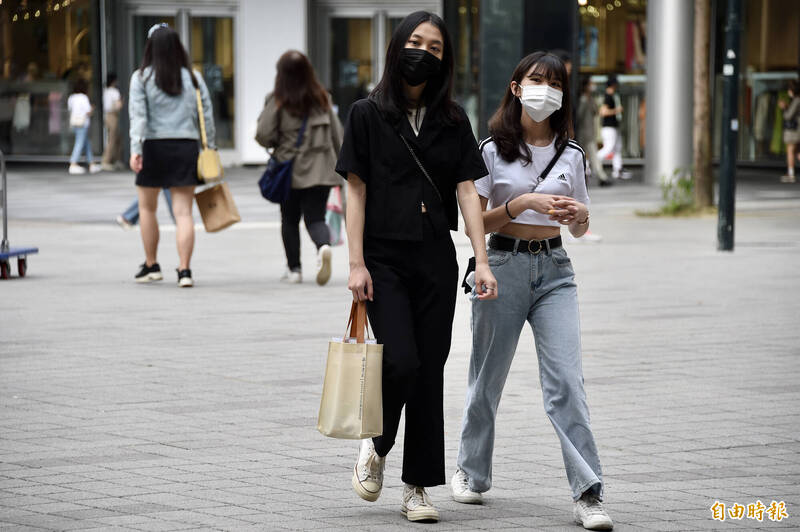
418,66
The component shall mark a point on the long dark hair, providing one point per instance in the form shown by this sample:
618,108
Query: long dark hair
505,126
438,93
165,53
297,88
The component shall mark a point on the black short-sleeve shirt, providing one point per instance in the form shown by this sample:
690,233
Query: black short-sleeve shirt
611,103
373,150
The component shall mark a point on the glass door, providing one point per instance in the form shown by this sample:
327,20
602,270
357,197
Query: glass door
208,39
349,43
351,61
212,55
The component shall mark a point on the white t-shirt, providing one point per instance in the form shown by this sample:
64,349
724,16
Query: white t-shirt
111,99
79,108
415,118
507,181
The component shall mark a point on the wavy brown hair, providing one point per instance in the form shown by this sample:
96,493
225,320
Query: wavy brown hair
297,88
505,126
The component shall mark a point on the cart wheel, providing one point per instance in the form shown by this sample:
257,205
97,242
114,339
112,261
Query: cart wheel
5,270
22,266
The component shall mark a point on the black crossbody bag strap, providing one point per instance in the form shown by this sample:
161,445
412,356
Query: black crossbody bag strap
551,164
427,176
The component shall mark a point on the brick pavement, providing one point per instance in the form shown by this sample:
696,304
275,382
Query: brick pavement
133,407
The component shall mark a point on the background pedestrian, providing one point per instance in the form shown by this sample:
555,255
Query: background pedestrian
112,104
611,114
791,130
299,101
80,114
165,137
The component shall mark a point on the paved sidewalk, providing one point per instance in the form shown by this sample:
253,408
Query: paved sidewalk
132,407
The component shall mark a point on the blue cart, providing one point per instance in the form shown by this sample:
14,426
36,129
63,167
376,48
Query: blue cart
6,251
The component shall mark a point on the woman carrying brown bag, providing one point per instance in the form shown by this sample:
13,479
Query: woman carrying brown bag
298,99
164,134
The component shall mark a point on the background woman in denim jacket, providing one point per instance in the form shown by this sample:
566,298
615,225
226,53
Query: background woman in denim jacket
164,135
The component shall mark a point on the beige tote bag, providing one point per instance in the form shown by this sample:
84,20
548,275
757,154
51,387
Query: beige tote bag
352,394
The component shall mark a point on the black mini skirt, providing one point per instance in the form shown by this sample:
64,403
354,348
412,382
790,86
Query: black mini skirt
169,163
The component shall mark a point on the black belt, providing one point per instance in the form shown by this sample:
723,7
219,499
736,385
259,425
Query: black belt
504,243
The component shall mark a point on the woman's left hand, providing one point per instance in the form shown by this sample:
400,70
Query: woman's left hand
485,283
571,211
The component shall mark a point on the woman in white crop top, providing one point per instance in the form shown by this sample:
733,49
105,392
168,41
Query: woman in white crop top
536,184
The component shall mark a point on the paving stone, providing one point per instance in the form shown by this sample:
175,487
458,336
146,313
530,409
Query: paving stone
112,417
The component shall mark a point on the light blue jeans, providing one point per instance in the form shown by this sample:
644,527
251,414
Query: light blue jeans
541,290
131,214
82,143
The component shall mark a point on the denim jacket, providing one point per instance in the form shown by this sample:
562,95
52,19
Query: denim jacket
155,114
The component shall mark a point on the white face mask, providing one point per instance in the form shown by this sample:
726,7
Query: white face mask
540,101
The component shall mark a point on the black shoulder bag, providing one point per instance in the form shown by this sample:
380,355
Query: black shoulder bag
542,177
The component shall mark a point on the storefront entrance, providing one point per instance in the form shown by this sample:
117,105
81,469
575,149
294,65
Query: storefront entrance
349,44
208,35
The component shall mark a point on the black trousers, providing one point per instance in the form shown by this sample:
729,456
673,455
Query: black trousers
414,287
310,203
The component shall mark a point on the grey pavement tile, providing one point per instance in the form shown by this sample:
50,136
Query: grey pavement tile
213,433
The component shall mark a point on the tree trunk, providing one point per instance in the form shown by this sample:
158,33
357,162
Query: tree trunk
703,178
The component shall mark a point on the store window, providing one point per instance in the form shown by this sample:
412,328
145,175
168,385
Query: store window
769,51
212,55
613,40
45,46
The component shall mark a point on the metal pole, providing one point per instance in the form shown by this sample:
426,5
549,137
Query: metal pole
4,244
730,127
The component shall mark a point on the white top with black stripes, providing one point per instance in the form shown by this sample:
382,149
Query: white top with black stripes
507,181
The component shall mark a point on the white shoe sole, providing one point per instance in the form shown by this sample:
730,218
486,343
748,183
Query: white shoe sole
423,514
362,492
602,525
155,276
468,499
324,273
186,282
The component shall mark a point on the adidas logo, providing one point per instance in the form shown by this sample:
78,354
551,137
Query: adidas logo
562,177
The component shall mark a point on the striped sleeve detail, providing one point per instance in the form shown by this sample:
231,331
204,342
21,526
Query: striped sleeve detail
484,142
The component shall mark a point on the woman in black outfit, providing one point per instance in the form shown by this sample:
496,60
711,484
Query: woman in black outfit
402,259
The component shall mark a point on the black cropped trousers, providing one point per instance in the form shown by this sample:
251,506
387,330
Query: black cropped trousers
414,287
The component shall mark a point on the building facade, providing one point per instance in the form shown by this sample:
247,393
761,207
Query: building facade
47,44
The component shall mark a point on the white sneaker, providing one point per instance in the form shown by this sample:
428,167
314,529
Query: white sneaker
461,492
417,506
291,277
590,514
626,175
76,169
368,472
788,178
95,168
125,224
323,264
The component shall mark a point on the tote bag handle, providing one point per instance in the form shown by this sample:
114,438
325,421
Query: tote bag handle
358,322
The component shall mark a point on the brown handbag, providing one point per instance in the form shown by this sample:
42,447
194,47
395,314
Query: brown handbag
217,207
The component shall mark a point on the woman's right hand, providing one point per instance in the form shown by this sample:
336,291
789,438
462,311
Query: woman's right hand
360,283
136,162
545,204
